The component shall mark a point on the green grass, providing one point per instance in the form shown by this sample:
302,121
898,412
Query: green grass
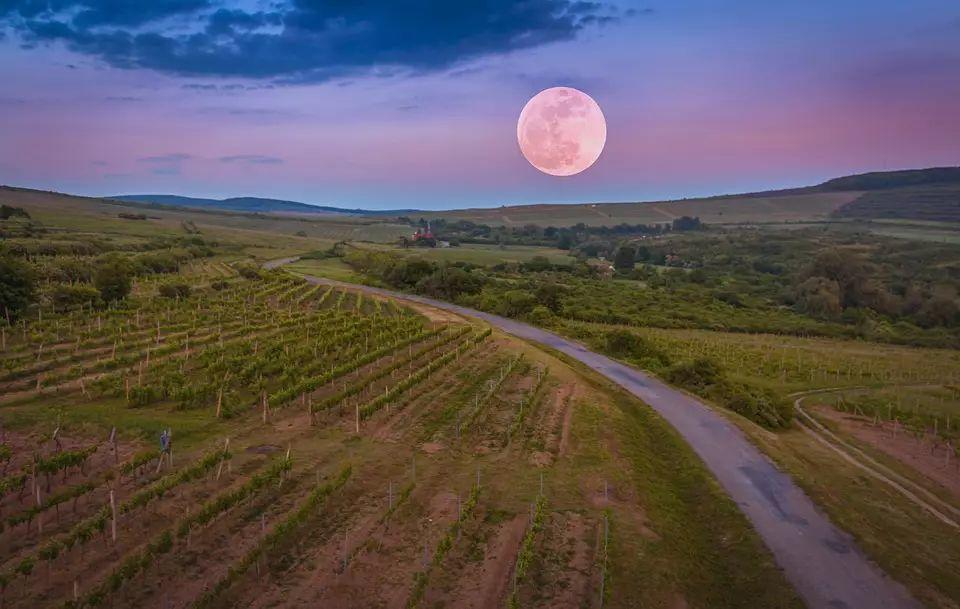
692,541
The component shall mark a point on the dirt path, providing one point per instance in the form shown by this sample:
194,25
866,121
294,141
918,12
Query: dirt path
923,498
822,562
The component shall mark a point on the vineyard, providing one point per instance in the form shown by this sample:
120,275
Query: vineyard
322,447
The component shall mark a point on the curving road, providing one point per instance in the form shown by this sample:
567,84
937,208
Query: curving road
822,562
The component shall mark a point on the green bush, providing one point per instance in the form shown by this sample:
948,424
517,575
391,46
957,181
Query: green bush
697,374
627,345
248,271
65,296
174,290
113,279
17,287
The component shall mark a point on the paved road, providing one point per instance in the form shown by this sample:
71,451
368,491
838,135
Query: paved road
824,564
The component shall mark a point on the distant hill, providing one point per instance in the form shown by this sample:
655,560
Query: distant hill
916,194
254,205
886,180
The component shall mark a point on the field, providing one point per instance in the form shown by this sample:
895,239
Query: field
715,210
337,449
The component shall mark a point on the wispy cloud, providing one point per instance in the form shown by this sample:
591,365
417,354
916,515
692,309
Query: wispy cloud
252,159
173,157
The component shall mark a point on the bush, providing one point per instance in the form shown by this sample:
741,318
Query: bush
698,374
758,405
67,296
113,279
625,344
174,290
248,271
17,287
515,303
705,377
220,284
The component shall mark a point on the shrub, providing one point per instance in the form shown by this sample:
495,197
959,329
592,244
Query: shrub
112,278
697,374
174,290
220,284
67,296
17,287
625,344
248,271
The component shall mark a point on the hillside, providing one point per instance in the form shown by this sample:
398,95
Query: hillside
252,205
884,180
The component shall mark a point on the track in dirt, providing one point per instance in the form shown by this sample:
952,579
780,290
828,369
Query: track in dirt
821,561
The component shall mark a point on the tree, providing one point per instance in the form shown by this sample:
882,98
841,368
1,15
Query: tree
112,278
549,295
66,296
819,296
624,259
17,287
8,211
174,290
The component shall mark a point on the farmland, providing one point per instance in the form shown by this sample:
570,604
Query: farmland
327,447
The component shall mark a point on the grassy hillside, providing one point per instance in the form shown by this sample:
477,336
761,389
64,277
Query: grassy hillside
123,218
773,208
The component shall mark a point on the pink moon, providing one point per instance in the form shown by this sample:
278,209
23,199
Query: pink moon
561,131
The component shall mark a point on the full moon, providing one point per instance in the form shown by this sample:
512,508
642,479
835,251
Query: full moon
561,131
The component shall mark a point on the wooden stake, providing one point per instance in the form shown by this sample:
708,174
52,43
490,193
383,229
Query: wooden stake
226,447
113,511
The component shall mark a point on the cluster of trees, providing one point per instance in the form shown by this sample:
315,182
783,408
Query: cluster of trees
433,279
838,281
8,211
566,238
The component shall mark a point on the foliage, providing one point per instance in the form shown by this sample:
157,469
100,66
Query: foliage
174,289
113,279
8,211
526,554
66,296
17,287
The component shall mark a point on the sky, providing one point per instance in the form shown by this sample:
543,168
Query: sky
386,104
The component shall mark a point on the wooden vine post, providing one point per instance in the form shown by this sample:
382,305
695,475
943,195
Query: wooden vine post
113,514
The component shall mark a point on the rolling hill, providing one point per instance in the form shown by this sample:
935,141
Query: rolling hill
253,205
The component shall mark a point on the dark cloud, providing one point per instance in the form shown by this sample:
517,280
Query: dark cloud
252,159
303,40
